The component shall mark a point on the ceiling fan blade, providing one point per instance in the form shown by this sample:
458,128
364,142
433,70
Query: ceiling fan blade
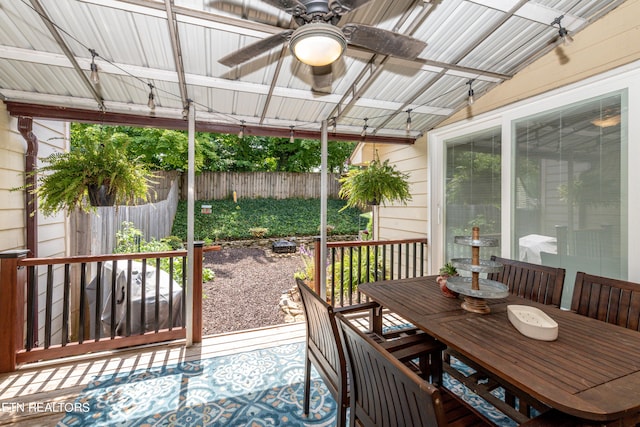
251,51
293,7
344,6
383,41
322,78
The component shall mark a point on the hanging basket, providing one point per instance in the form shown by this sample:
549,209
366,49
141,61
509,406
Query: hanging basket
99,196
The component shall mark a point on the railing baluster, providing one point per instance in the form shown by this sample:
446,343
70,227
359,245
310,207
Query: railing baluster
384,262
115,296
406,260
143,296
97,326
332,279
415,259
170,293
399,260
368,271
31,295
128,296
375,262
184,289
48,307
65,304
341,286
391,246
359,269
350,284
83,301
422,245
157,311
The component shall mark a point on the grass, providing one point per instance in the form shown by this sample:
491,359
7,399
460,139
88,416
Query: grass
281,218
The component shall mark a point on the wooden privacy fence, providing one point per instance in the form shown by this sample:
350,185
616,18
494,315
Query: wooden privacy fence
251,185
96,233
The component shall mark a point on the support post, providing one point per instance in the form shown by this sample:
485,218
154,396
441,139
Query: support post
197,291
12,284
191,173
324,140
317,265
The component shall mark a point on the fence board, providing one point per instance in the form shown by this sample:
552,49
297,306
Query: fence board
95,234
251,185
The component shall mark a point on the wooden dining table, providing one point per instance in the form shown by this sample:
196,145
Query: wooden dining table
591,371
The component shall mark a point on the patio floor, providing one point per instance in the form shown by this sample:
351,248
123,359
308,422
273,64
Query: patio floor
35,395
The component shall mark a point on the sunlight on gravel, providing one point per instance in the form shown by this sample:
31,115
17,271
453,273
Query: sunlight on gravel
246,289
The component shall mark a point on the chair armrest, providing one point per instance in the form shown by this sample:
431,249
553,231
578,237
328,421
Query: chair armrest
357,307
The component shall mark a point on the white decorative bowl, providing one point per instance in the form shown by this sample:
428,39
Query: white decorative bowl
532,322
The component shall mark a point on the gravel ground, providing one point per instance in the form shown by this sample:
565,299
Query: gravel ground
246,289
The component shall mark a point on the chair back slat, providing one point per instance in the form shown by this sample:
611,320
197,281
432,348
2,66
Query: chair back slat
384,392
609,300
534,282
322,338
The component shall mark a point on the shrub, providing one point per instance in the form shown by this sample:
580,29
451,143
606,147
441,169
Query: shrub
129,240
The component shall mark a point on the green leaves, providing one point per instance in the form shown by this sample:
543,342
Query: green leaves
378,183
281,218
98,156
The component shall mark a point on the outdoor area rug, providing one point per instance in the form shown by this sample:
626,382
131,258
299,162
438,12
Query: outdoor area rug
258,388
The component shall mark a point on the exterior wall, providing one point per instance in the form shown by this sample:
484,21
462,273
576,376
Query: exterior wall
410,221
52,231
606,44
12,162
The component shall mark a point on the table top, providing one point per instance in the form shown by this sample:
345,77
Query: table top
591,371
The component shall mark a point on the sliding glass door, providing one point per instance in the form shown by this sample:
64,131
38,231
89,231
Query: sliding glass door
472,190
569,189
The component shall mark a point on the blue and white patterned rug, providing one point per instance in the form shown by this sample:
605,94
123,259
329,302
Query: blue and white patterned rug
253,389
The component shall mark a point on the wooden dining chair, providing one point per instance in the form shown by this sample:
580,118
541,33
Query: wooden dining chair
324,349
530,281
610,300
385,393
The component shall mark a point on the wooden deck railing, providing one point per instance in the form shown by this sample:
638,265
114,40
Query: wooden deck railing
66,296
352,263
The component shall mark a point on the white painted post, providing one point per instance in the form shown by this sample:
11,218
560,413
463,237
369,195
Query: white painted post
191,175
323,209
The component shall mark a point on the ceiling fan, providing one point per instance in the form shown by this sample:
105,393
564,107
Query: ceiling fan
318,41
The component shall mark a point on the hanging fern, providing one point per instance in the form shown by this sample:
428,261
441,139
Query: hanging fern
378,183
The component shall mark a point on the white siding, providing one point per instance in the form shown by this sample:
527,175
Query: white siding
605,45
52,240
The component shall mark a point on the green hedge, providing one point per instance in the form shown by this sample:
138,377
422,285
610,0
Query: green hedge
289,217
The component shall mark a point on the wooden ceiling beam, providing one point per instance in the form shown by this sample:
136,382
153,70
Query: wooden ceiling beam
121,119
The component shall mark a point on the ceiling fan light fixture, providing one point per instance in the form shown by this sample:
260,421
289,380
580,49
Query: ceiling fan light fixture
318,44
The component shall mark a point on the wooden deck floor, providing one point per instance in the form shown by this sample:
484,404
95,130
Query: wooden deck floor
36,394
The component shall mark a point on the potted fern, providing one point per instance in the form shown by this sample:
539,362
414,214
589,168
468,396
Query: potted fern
96,172
376,184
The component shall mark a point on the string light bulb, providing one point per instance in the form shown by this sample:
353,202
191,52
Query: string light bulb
241,133
151,103
95,77
334,124
291,139
470,94
364,128
409,120
562,31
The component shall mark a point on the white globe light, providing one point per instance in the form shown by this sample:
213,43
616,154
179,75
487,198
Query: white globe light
317,44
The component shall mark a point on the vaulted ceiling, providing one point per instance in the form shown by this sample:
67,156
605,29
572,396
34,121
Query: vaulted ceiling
173,48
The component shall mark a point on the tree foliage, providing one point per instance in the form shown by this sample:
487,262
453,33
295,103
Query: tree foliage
168,150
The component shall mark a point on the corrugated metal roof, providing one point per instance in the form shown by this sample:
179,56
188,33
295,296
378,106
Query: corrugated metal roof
480,41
